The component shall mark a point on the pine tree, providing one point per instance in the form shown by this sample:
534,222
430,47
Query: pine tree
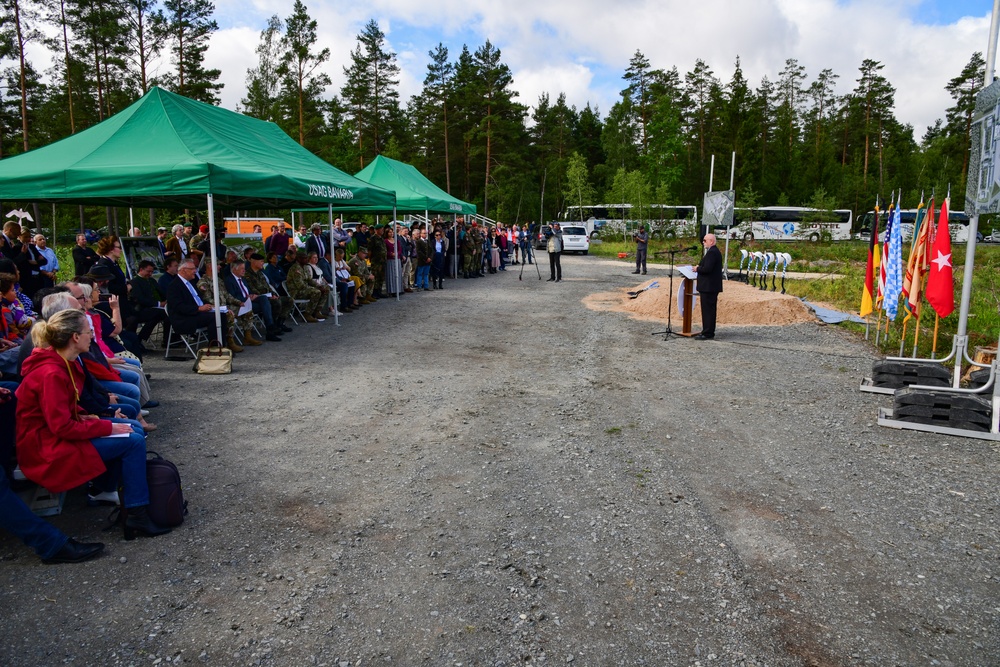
371,91
188,25
302,84
263,81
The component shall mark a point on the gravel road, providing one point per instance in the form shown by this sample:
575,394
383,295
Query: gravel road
496,475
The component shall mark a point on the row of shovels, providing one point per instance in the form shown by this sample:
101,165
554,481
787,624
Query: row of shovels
758,264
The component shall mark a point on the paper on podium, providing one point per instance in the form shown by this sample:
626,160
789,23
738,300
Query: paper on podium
688,271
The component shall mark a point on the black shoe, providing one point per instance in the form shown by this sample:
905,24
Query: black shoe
137,522
703,337
148,376
643,273
75,552
551,280
151,404
636,272
272,337
558,280
285,329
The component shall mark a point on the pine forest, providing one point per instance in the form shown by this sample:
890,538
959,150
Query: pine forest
797,141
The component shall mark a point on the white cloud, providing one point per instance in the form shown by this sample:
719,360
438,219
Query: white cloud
582,47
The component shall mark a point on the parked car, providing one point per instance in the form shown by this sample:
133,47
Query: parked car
542,237
575,239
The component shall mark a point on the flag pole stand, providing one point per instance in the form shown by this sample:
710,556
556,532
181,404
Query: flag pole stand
937,321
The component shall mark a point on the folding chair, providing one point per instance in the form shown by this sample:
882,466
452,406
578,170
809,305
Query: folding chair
295,305
190,341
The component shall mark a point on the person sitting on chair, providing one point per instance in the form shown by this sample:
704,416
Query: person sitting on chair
187,311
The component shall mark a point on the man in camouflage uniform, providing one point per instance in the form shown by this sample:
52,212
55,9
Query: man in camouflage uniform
256,280
207,294
376,256
359,267
468,244
300,287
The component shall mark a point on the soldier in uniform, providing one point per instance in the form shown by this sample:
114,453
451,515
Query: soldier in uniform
300,287
376,256
359,267
257,281
207,294
468,241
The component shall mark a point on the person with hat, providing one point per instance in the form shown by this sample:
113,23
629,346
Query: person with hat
148,302
258,281
641,238
300,287
358,266
176,245
200,236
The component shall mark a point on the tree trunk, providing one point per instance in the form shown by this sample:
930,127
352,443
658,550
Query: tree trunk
24,92
69,83
447,161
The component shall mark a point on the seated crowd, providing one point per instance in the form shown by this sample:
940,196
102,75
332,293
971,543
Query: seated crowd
74,395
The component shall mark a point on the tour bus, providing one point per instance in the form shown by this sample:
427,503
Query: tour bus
958,224
665,221
791,223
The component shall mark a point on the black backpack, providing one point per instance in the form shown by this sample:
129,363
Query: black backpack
167,506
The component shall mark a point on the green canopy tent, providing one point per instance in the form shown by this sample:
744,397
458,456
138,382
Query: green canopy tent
171,152
414,191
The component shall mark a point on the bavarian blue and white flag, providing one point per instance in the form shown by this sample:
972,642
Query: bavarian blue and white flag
894,269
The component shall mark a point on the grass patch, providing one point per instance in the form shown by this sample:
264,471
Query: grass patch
614,430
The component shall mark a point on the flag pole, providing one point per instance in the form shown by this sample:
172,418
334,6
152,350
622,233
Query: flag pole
902,340
916,332
937,319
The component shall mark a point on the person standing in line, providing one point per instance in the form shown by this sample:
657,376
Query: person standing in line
709,285
641,246
554,247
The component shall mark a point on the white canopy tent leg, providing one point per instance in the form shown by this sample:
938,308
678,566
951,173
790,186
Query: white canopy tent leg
215,271
398,268
333,272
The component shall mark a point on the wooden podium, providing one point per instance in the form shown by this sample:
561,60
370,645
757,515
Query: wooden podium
687,288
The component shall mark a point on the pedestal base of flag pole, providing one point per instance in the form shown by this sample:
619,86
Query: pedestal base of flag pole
888,375
887,418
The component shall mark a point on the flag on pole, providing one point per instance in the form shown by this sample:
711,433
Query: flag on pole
941,281
894,268
908,276
920,264
871,269
883,257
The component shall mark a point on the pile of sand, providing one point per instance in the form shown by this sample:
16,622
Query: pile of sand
739,304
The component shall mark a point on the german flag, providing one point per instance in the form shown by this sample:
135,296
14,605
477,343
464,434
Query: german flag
871,269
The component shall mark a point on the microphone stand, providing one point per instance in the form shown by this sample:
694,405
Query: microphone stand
670,302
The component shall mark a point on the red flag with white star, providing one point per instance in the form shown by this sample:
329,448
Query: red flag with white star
941,282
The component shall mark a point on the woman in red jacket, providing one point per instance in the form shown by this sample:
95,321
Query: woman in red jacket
58,445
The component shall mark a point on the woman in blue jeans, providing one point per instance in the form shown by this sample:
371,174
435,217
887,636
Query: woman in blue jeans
59,446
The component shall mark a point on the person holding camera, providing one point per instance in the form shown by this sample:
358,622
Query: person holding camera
641,237
554,246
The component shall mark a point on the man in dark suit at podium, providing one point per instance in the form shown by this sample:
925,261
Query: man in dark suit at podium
709,285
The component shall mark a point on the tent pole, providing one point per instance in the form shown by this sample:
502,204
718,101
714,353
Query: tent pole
454,251
398,268
215,271
333,272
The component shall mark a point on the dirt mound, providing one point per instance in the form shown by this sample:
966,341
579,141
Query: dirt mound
739,304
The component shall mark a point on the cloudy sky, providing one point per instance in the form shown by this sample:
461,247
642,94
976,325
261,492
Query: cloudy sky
581,47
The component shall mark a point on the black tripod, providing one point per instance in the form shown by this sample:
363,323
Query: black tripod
670,301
